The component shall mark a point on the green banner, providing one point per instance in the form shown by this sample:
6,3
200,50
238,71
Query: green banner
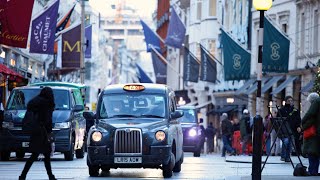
237,61
276,48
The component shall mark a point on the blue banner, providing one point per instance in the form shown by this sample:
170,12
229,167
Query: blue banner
176,31
88,41
190,67
150,37
160,69
237,61
276,47
142,76
208,67
43,31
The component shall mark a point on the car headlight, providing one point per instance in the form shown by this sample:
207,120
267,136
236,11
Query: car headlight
63,125
8,125
160,135
192,132
96,136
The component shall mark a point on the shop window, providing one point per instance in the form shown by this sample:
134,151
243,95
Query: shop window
199,9
12,62
212,7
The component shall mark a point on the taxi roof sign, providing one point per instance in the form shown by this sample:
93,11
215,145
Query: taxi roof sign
133,87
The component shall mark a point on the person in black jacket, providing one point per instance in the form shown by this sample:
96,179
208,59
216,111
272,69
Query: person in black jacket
227,132
42,105
210,133
292,116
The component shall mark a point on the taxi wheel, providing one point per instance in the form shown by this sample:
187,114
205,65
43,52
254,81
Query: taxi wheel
5,155
177,167
93,171
68,156
167,169
105,169
20,154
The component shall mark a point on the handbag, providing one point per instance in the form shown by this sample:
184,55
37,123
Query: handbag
309,132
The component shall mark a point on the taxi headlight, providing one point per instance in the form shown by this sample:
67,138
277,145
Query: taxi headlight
192,132
62,125
96,136
160,135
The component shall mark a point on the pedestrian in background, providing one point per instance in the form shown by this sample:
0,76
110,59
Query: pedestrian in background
275,151
210,133
292,116
267,132
227,132
245,130
42,105
311,145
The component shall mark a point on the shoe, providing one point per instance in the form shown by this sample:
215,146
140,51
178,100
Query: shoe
287,160
282,159
272,154
22,177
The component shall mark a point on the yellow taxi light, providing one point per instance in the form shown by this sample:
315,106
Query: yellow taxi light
133,87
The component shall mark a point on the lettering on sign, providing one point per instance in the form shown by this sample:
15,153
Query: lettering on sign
274,51
236,61
66,46
14,37
42,33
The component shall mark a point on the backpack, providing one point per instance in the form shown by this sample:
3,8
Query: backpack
30,122
300,170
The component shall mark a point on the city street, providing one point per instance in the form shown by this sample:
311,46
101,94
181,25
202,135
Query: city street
206,167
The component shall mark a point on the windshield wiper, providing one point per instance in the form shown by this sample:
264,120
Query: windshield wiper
122,115
151,116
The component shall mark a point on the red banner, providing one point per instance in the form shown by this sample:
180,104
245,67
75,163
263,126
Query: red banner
15,16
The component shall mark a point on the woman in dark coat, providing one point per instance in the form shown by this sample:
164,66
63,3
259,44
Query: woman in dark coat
311,146
43,105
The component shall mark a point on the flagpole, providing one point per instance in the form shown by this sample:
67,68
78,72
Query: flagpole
211,55
163,59
82,68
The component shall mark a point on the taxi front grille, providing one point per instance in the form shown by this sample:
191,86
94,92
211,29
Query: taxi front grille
128,141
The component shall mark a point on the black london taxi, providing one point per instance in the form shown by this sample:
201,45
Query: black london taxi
68,122
191,131
136,127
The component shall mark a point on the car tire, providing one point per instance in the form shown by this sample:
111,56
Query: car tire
20,154
177,166
69,155
167,169
93,171
80,153
5,155
105,169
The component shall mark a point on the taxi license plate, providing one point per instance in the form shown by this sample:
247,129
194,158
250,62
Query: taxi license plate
127,160
25,144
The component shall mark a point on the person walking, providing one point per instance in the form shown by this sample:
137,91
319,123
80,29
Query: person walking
42,105
226,131
210,133
245,130
311,145
292,117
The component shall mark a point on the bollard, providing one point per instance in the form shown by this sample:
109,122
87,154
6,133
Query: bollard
257,147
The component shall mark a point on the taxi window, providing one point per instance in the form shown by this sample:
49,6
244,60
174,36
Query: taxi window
189,116
133,105
77,97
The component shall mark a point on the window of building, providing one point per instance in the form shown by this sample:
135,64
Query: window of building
285,28
212,7
316,31
302,33
199,9
12,62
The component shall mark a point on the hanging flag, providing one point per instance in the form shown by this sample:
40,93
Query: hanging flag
276,47
150,37
160,68
143,77
190,67
208,67
88,41
15,17
65,21
43,31
176,31
237,61
71,48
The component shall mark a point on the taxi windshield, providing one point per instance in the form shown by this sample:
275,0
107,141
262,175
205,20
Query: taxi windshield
133,105
189,116
19,99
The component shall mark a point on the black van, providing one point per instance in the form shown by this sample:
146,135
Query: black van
68,122
136,126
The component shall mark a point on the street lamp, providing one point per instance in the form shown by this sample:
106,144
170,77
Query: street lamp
261,6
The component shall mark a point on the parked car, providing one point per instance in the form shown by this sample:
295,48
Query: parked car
192,133
68,122
136,126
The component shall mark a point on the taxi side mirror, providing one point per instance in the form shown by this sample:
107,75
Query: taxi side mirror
177,114
78,108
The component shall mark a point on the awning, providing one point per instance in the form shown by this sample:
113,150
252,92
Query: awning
270,83
246,85
254,87
307,87
5,70
289,80
203,104
224,109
